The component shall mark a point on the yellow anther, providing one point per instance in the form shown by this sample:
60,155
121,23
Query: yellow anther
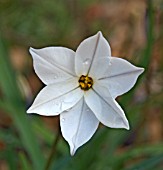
85,82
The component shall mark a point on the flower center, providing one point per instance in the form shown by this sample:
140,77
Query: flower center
85,82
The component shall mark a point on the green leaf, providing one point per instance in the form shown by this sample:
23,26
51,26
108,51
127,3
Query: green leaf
145,61
11,159
13,104
148,164
24,163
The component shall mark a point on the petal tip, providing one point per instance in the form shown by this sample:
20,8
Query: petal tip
29,111
99,32
142,70
127,127
125,124
31,49
72,151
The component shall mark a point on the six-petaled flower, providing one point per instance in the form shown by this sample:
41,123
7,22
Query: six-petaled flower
82,87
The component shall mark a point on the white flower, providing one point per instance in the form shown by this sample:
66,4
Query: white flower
82,87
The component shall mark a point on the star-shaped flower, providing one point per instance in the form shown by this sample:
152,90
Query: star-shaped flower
82,87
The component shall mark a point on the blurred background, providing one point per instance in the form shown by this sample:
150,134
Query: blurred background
135,32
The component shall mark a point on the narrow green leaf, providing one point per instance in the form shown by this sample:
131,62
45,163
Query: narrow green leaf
145,61
14,105
24,162
148,164
11,159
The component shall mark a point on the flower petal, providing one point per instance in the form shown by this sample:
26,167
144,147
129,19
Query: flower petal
55,98
107,110
78,125
53,64
119,77
100,67
89,50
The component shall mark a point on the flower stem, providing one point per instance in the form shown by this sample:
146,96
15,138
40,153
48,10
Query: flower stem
52,151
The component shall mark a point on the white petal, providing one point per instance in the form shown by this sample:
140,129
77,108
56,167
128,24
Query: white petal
78,125
88,51
106,109
53,64
55,98
100,67
119,76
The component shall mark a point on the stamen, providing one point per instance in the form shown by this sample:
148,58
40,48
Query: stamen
85,82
